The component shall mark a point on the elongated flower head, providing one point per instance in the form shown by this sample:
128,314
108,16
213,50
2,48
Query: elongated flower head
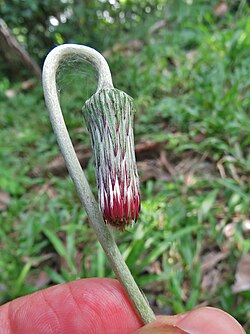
109,116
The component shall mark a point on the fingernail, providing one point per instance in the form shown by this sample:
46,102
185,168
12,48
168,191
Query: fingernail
208,320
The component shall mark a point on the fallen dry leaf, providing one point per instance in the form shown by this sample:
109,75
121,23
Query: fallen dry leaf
38,260
25,86
242,276
210,281
151,170
28,84
38,280
212,270
4,200
220,9
210,260
166,164
158,26
57,165
127,49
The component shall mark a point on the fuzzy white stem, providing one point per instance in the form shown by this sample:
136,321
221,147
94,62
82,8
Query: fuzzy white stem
86,196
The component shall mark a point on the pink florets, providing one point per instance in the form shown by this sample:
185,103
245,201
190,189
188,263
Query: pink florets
120,203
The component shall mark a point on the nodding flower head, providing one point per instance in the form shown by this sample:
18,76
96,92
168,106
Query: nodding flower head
109,116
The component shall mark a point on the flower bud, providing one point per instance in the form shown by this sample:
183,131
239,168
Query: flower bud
109,116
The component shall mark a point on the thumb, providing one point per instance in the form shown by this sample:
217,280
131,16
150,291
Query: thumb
205,320
86,306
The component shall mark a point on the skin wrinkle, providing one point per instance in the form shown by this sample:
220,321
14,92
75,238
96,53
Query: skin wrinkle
39,322
89,307
53,311
106,290
17,309
94,323
45,313
117,308
116,296
73,297
117,304
14,309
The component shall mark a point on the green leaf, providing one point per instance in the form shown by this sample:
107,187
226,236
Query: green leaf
207,203
56,243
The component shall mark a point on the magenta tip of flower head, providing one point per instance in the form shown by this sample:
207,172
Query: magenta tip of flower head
121,205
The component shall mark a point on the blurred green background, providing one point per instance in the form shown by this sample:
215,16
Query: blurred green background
187,65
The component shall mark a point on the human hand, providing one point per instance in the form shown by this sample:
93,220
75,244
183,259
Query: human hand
100,306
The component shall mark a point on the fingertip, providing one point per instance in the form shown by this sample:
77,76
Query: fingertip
208,320
204,320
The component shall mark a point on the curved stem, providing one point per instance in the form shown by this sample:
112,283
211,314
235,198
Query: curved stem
86,196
